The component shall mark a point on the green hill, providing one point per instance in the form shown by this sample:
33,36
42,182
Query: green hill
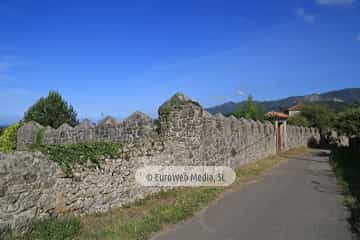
336,100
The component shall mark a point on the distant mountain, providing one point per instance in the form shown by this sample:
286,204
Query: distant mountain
335,100
224,108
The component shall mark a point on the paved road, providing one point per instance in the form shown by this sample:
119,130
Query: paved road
297,200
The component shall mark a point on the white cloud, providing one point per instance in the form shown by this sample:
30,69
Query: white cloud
335,2
358,37
240,93
300,12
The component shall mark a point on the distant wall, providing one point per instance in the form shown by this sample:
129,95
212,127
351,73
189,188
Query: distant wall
31,186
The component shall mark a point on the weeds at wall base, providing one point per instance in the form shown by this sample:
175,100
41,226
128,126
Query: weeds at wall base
346,165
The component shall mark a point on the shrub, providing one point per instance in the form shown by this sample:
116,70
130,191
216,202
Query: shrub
8,138
52,111
298,120
348,122
318,116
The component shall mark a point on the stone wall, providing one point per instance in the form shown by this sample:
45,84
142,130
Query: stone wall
134,128
31,186
297,136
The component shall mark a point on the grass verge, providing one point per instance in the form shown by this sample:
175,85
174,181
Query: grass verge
156,212
346,164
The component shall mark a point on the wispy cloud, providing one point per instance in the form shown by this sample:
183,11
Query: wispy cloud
335,2
227,97
358,37
300,12
240,93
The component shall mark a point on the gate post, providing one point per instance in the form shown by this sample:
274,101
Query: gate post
278,136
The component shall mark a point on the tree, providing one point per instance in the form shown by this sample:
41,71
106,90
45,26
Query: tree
250,110
298,120
348,122
52,111
318,116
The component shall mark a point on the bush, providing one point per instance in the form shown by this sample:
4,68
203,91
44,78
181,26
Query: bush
52,111
8,138
318,116
348,122
298,120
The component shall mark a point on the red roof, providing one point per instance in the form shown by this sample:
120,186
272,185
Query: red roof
277,114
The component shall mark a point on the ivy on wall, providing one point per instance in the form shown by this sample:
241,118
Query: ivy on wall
8,138
67,156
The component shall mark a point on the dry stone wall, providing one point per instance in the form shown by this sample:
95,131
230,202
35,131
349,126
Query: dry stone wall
299,136
137,126
33,187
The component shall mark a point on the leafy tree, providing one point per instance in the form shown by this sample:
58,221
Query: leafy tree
318,116
250,110
8,138
348,122
52,111
298,120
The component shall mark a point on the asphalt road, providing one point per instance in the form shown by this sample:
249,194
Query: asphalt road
297,200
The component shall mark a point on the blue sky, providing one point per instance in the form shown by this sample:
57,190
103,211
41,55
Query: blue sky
115,57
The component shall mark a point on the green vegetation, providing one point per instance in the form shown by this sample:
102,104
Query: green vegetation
250,110
8,138
336,101
52,111
2,130
348,122
314,115
346,165
67,156
55,229
299,120
318,116
144,217
50,229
